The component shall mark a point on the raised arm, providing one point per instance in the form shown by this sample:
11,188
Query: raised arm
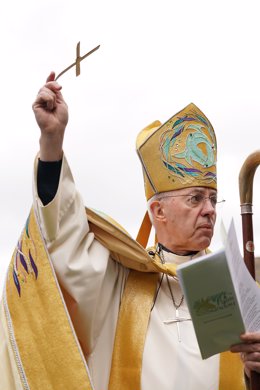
90,280
51,113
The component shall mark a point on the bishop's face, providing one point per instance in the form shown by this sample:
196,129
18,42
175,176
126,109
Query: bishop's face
189,217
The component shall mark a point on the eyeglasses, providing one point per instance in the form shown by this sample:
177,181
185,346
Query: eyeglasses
196,200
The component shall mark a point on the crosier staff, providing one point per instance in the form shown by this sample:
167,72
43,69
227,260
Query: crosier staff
246,177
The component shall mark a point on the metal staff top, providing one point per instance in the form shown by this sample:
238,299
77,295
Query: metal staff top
78,60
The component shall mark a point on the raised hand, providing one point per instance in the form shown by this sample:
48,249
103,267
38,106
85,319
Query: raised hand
51,113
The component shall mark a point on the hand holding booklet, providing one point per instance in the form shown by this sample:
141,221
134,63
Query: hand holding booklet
223,298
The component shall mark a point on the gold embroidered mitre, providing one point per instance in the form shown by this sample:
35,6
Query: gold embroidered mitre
180,153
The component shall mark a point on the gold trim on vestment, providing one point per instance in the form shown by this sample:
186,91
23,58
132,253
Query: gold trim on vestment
44,344
131,331
231,372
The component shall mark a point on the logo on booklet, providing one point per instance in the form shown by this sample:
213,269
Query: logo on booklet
214,303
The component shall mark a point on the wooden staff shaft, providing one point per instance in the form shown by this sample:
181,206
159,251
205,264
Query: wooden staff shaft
248,240
246,178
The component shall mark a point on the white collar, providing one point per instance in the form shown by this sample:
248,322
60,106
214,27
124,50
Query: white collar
170,257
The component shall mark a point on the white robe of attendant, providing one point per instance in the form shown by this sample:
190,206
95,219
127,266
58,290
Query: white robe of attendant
93,283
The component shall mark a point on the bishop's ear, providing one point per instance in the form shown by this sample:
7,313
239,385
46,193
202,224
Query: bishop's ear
157,211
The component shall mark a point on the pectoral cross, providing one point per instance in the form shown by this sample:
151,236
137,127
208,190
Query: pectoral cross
78,60
177,321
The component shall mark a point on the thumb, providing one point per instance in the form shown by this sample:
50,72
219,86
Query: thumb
51,77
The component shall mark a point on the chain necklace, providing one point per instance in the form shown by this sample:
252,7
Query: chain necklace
177,318
176,305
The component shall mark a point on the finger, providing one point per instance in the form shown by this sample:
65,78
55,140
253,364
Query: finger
246,347
52,88
250,337
45,99
252,366
51,77
245,359
51,83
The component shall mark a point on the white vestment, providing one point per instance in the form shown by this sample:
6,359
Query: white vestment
93,284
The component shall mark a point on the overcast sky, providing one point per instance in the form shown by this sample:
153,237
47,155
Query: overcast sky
155,58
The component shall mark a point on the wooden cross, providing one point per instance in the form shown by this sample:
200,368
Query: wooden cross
78,60
177,321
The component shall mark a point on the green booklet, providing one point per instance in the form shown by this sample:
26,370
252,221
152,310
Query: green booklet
222,297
